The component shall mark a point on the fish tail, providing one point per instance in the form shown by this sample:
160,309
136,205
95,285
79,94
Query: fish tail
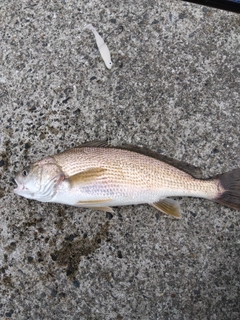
229,182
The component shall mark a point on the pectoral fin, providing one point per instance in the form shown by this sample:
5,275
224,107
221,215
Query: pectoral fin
86,176
168,206
92,205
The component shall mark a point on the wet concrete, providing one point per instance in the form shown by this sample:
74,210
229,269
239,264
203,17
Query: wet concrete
174,88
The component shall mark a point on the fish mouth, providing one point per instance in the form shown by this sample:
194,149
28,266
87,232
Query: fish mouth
20,187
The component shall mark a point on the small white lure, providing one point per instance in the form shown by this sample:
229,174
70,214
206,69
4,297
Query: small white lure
103,48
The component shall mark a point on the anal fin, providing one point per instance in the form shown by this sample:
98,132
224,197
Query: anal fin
168,206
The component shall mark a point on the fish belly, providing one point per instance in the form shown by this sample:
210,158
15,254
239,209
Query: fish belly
116,195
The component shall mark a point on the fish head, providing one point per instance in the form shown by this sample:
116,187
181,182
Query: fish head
38,181
108,64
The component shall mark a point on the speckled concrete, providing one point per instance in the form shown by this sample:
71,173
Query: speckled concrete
174,88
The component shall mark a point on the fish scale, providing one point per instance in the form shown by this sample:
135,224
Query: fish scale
120,163
99,176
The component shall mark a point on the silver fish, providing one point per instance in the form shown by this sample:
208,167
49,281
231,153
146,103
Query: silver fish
98,176
102,47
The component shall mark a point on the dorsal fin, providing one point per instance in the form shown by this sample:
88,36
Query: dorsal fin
95,144
186,167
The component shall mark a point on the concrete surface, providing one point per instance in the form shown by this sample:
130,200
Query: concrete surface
174,88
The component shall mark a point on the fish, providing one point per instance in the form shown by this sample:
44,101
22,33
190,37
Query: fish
102,47
99,176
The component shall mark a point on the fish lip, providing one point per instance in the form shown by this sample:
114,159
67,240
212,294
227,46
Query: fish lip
19,187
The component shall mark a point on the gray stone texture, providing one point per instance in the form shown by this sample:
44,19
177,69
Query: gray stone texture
174,88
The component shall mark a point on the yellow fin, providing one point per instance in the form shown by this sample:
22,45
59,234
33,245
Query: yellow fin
105,209
168,206
86,176
92,202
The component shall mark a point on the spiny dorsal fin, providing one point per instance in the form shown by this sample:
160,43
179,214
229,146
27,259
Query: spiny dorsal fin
168,206
88,175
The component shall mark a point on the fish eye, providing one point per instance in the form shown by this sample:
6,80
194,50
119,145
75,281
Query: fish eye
24,173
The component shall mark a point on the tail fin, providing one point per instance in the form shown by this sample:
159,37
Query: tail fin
230,182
